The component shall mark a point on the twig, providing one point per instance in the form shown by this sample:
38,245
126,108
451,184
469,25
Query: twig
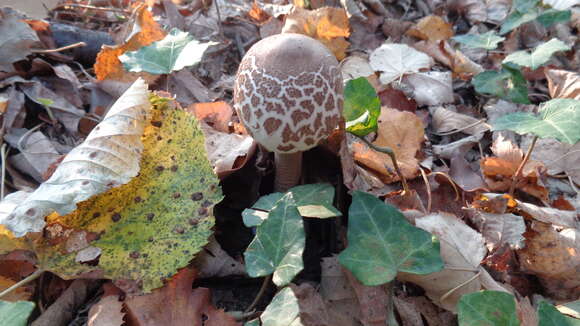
450,181
217,8
64,48
263,288
76,5
451,132
391,154
443,297
3,157
428,188
516,176
25,280
26,135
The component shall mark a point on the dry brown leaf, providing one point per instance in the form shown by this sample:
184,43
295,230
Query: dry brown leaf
462,250
145,30
20,294
441,51
563,84
188,307
566,219
213,261
558,157
526,312
257,14
432,28
551,253
312,308
328,25
498,171
447,121
474,10
463,175
430,88
108,311
373,301
218,115
403,133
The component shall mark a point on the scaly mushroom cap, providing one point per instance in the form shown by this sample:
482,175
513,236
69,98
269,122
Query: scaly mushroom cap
288,92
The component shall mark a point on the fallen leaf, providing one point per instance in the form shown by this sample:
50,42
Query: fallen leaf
431,28
500,229
448,121
563,84
213,261
108,311
465,178
498,171
551,253
462,250
21,293
218,115
558,157
16,40
549,215
372,301
188,307
312,308
476,11
403,133
145,30
328,25
488,41
106,163
461,65
37,152
396,60
431,88
227,152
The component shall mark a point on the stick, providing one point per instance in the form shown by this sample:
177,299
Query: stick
516,176
25,280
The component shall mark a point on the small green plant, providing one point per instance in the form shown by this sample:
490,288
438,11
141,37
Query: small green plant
524,11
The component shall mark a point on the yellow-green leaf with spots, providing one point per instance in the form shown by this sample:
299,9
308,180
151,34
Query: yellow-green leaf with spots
144,230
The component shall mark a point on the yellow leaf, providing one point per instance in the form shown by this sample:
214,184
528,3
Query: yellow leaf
432,28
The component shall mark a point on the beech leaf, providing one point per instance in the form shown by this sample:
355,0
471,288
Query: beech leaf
557,118
396,60
381,242
108,157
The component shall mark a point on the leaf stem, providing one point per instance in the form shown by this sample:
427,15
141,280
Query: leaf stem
516,176
391,153
27,279
260,294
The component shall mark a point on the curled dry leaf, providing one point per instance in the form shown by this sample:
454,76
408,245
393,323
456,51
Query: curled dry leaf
396,60
448,121
142,31
403,133
567,219
213,261
431,88
462,250
498,171
108,157
464,176
431,28
37,152
441,51
500,229
16,40
328,25
563,84
355,66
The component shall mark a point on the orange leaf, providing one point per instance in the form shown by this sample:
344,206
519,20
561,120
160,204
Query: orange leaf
216,114
328,25
108,65
432,28
403,133
258,14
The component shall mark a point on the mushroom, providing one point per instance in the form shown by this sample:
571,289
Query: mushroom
288,94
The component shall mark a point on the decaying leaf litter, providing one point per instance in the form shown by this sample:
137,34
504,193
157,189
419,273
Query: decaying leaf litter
129,180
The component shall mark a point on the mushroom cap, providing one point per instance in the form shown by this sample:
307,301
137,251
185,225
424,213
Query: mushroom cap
288,92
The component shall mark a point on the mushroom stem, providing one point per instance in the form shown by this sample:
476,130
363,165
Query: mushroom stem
288,170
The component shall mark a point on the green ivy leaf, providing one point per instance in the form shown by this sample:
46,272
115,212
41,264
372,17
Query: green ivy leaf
381,242
508,84
488,41
362,107
313,200
558,118
525,5
553,16
539,56
15,313
278,245
517,18
487,308
177,50
548,315
283,310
